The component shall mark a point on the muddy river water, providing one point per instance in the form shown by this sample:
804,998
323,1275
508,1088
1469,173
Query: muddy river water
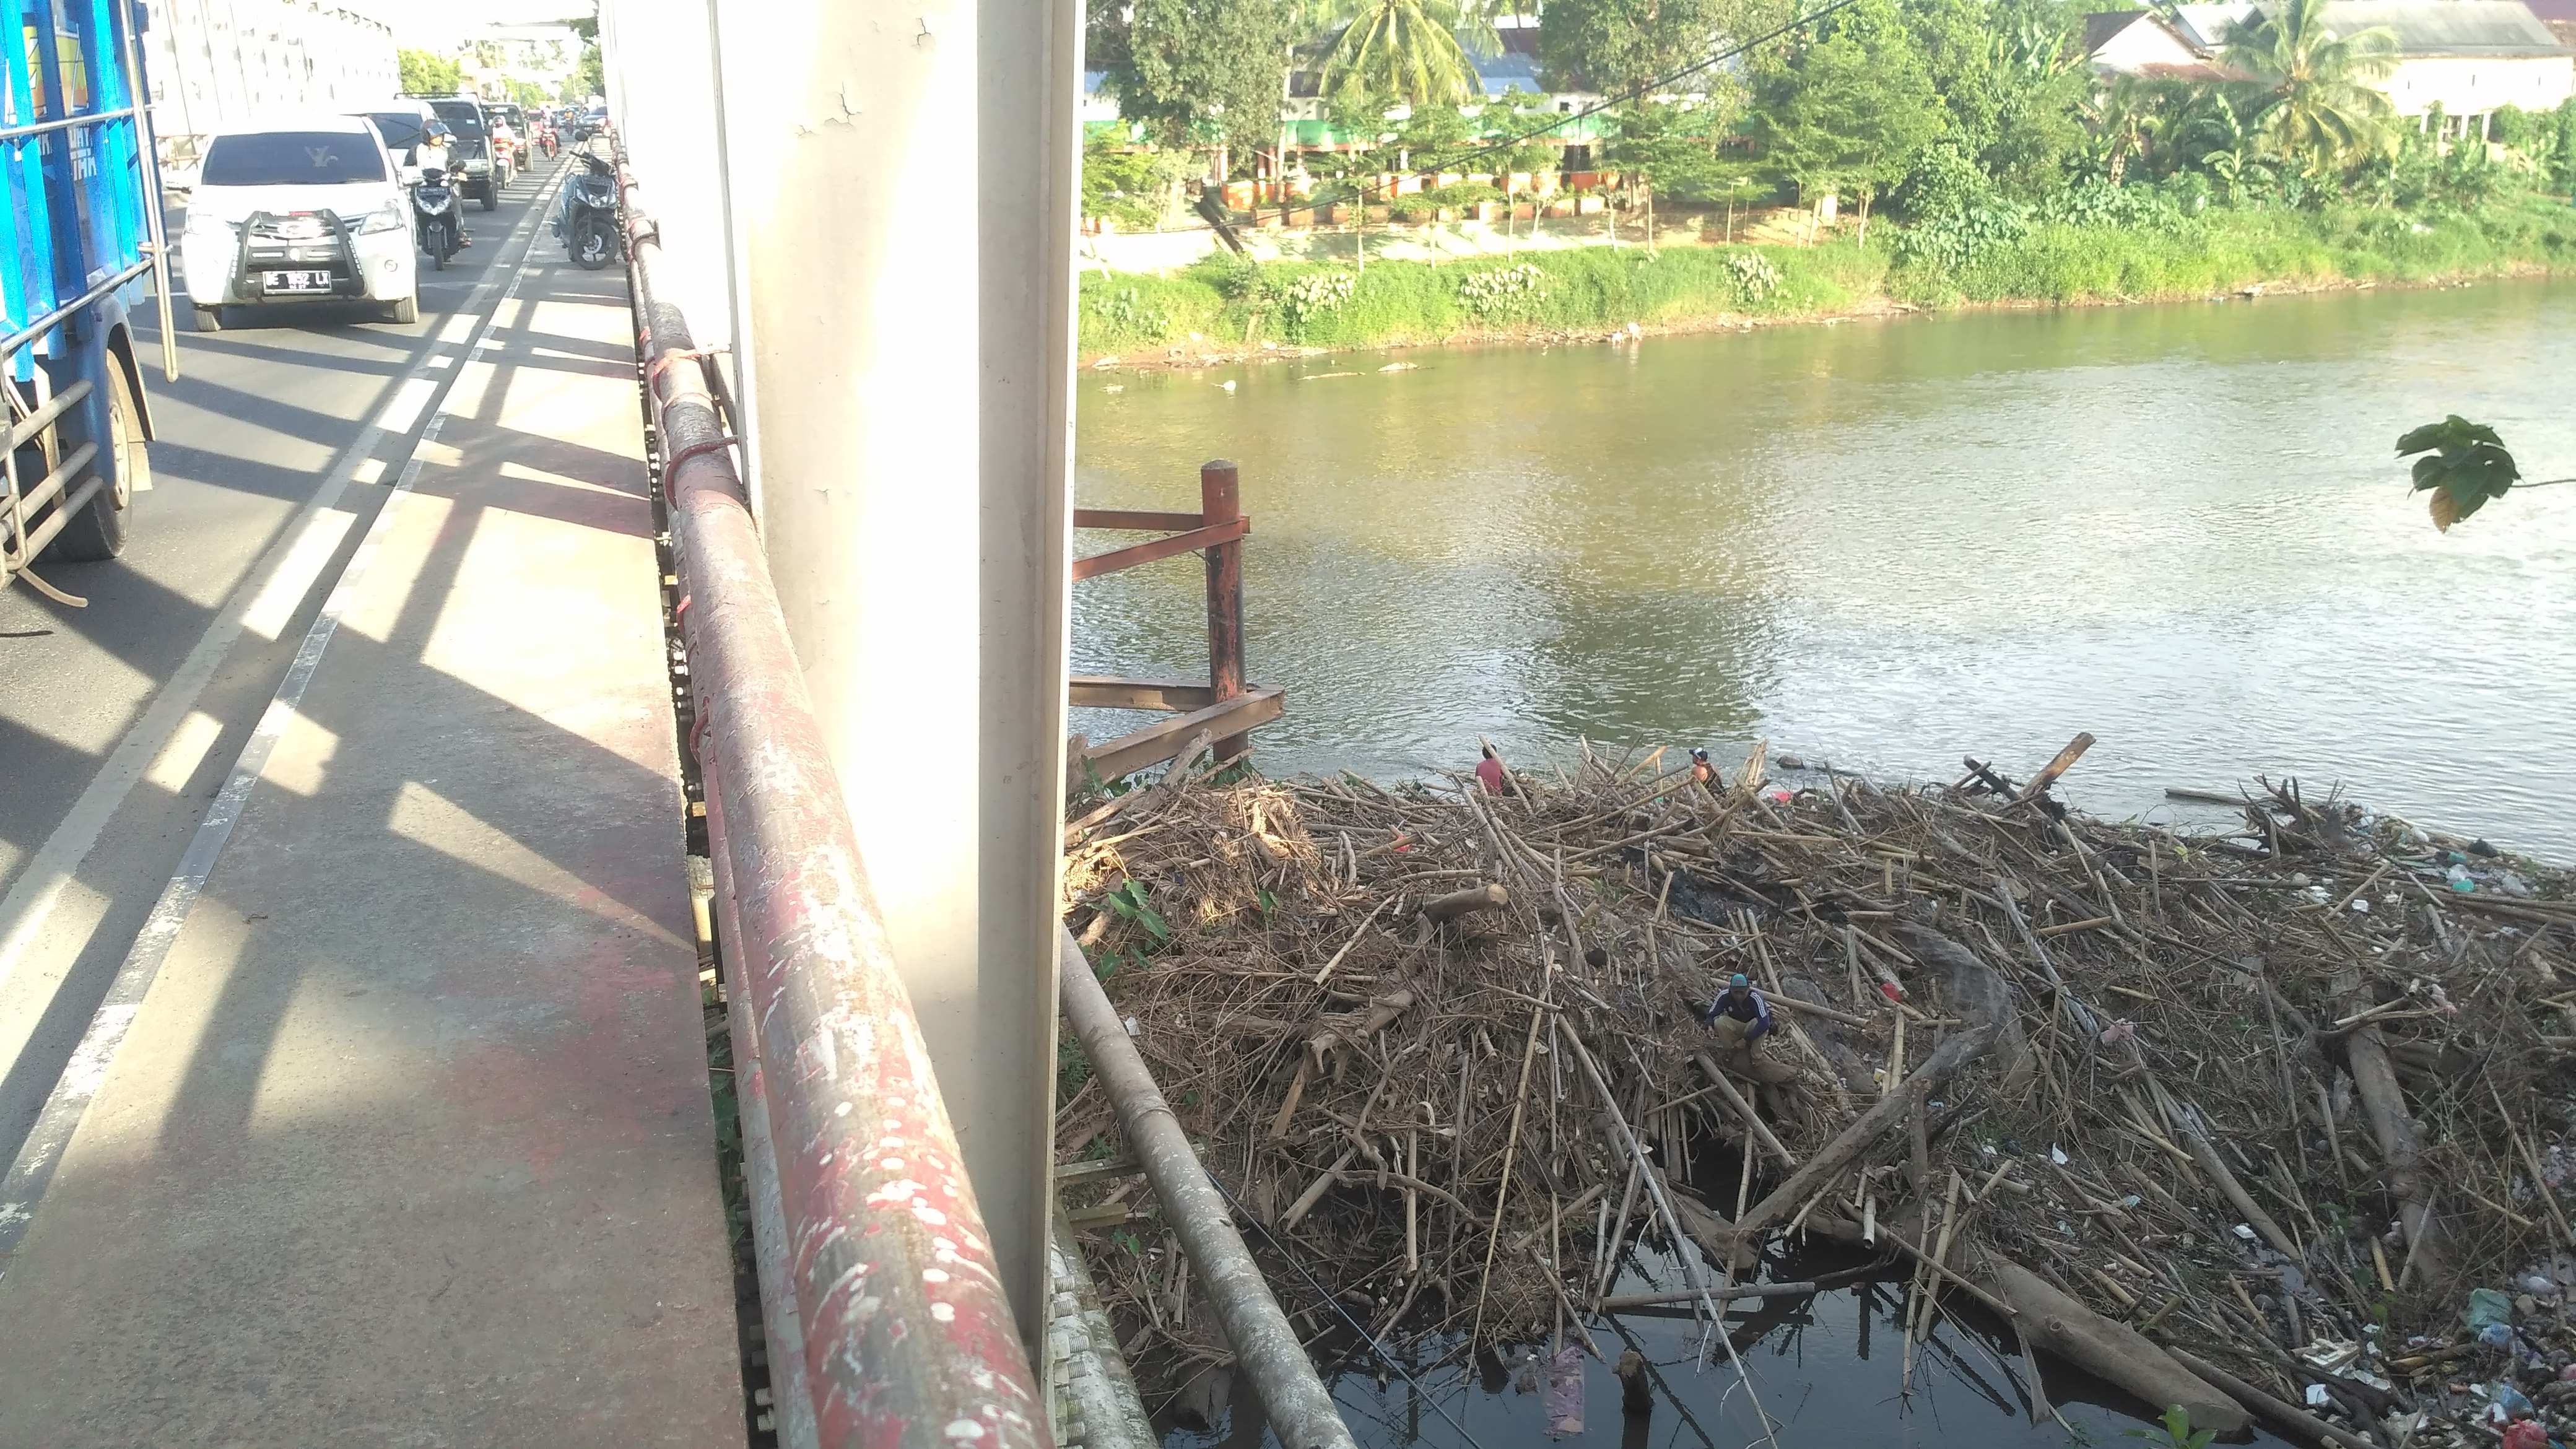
1887,545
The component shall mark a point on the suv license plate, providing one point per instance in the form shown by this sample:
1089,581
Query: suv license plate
298,282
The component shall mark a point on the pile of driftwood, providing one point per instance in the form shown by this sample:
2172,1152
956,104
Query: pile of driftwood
2236,1120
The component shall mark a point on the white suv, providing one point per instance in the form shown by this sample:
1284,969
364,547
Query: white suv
307,209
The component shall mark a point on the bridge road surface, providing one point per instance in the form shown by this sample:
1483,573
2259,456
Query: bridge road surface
408,1140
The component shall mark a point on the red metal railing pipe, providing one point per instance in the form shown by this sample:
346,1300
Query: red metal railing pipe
908,1337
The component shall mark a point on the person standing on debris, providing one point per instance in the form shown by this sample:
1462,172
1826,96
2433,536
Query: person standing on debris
1489,772
1702,772
1742,1019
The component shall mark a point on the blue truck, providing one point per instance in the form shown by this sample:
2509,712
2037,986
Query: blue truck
80,233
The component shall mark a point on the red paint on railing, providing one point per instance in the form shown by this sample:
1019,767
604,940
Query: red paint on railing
909,1338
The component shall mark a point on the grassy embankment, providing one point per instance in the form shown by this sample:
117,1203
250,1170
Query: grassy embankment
1593,290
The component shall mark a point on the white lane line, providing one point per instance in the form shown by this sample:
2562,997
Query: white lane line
31,899
402,411
23,1189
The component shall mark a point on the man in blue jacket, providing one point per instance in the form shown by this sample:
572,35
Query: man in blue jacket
1742,1020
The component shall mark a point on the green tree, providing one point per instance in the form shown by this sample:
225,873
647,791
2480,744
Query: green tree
425,73
1670,150
1853,108
588,77
1413,50
1622,45
2318,109
1199,72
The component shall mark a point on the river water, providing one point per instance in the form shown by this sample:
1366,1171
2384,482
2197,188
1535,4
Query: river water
1892,544
1886,545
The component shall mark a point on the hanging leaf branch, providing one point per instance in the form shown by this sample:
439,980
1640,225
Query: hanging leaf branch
2465,465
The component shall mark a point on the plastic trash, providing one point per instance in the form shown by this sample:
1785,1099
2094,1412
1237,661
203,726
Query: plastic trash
2526,1434
2506,1403
2318,1398
2330,1355
2244,1230
2496,1335
2513,885
2058,1156
1564,1402
2489,1306
2360,907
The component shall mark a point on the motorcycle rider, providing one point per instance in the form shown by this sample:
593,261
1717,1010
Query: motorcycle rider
432,155
432,150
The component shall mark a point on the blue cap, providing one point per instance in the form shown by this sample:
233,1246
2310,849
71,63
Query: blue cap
1739,980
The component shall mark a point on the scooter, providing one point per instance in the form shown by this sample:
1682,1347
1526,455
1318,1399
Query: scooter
589,221
434,213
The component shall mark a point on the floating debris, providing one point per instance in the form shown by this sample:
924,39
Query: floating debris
2236,1119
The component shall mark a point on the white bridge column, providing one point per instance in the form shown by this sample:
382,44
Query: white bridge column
903,194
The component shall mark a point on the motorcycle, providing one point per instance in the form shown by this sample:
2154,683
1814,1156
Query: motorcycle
434,213
546,141
589,220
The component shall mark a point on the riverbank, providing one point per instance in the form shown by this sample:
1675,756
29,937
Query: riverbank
1222,310
2273,1099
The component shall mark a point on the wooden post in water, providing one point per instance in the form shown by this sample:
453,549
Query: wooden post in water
1221,502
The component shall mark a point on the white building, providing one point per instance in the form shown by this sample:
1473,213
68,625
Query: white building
214,63
2470,58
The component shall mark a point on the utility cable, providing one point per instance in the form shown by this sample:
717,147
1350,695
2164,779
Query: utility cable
1336,1304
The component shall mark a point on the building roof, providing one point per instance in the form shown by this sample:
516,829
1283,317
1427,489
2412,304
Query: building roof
1509,71
2474,28
2100,26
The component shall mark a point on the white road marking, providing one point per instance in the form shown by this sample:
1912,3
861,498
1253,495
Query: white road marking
31,900
402,411
177,763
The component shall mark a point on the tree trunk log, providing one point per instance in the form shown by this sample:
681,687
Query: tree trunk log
2394,1130
2112,1351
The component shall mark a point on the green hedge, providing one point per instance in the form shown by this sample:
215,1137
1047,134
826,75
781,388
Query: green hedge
2226,250
1595,289
1388,303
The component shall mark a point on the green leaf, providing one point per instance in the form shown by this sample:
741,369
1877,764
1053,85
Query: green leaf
2467,462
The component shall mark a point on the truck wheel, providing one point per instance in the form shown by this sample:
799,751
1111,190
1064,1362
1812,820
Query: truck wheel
406,309
490,199
97,532
210,319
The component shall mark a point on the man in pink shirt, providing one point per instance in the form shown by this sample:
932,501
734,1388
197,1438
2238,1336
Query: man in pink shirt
1489,770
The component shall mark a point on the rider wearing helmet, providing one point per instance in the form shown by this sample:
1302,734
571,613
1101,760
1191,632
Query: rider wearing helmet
432,150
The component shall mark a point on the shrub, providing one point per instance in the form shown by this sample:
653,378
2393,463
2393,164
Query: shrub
1304,299
1755,279
1502,291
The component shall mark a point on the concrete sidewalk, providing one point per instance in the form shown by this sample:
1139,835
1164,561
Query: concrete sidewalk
410,1141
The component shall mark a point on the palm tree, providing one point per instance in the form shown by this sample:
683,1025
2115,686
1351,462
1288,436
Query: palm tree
1414,51
2317,105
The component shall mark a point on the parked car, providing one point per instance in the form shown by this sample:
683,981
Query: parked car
478,172
592,122
401,123
302,209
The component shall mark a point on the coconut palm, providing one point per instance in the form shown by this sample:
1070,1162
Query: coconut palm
1414,51
2317,107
